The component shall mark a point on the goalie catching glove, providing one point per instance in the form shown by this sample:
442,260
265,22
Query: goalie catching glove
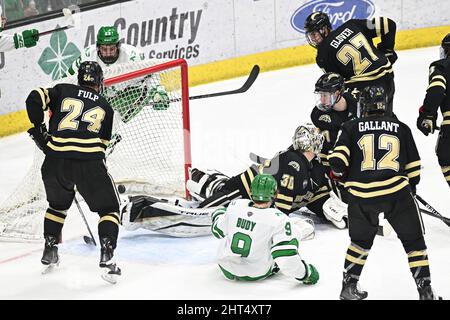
159,98
40,135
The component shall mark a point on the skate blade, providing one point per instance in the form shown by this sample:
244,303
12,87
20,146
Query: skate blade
111,276
49,268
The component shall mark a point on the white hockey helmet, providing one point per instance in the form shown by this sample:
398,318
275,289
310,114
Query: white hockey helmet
307,137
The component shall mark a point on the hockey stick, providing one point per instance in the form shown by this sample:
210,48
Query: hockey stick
88,240
432,211
70,23
248,83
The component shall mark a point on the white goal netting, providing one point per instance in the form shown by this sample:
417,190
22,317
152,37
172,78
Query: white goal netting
149,151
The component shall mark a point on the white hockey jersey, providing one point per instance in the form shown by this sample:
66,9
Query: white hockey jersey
253,239
6,42
127,53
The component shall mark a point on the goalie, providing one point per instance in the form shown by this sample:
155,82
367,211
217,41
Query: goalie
300,178
127,101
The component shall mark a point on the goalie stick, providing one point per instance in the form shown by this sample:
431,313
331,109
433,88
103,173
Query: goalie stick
248,83
432,212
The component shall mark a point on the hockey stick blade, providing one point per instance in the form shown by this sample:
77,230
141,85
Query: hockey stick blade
88,240
248,83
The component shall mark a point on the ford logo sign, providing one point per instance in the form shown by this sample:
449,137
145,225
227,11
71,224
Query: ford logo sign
338,11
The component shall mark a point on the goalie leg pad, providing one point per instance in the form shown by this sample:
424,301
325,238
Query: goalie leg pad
304,226
336,211
202,185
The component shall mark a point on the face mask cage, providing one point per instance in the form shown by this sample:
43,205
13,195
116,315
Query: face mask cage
326,100
308,139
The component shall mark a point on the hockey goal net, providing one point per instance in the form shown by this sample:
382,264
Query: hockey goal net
149,151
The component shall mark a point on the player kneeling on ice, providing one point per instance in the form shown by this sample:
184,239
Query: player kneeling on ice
258,240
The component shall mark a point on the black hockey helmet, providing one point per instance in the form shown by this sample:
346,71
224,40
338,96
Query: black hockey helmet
372,101
317,22
445,47
328,90
90,74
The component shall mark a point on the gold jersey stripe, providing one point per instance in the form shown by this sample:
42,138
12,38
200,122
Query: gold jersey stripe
445,169
340,156
386,25
41,93
378,26
77,149
108,218
375,184
357,250
446,114
54,218
369,78
282,205
435,84
250,174
445,122
414,174
244,182
77,140
380,192
412,164
285,198
447,178
355,260
416,264
417,253
439,77
343,148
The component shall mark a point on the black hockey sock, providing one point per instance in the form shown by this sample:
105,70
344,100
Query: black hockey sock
354,261
54,221
418,264
108,226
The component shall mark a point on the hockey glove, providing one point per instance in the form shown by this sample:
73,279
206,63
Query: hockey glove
390,54
426,122
160,98
311,276
334,176
39,135
28,38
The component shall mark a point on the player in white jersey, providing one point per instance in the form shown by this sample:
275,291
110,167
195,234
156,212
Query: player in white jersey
108,51
27,38
258,240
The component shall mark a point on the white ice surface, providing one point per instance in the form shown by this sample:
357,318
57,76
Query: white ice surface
224,131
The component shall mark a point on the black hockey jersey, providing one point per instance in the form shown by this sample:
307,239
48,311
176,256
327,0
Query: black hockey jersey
349,50
438,91
378,158
291,170
330,122
80,123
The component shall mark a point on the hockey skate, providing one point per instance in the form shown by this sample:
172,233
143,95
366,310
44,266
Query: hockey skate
107,263
351,290
50,257
425,290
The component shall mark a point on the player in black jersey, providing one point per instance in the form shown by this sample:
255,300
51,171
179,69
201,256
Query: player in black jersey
335,104
350,52
79,131
438,96
300,177
377,158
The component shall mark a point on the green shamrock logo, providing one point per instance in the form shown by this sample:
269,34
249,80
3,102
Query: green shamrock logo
57,58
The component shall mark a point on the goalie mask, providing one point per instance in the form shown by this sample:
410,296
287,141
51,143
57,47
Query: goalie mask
90,74
263,188
108,45
307,138
328,91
